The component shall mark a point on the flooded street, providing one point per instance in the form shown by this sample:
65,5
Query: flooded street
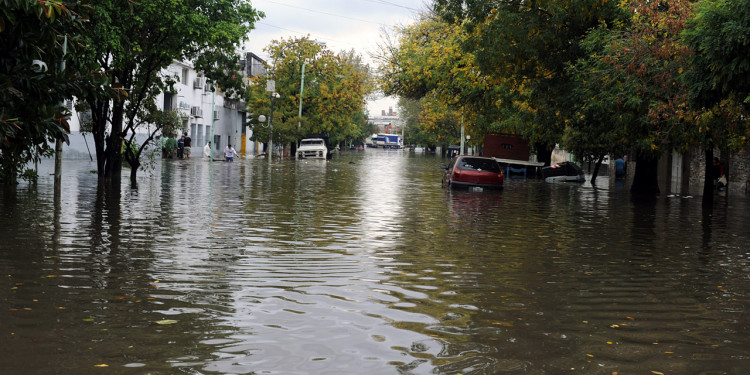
364,265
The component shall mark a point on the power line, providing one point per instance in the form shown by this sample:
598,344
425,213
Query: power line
391,4
327,13
304,33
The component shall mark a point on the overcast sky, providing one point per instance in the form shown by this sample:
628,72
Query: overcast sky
341,24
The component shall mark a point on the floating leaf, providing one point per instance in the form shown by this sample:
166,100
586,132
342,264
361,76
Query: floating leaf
102,365
657,372
166,321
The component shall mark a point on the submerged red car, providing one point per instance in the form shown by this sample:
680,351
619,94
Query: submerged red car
473,171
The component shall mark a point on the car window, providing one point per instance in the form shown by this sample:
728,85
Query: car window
453,162
476,164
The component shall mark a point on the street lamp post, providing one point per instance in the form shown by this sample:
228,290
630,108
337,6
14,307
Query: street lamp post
213,123
301,89
462,136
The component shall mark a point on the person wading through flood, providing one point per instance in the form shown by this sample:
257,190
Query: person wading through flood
229,153
181,147
207,151
188,146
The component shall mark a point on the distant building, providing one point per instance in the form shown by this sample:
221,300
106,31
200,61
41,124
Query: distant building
388,123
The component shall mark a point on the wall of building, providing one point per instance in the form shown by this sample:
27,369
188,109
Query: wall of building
505,146
684,174
206,114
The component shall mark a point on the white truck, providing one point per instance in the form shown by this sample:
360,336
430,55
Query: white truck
312,148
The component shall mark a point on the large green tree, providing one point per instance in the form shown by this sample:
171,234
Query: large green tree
528,45
134,42
332,92
629,90
718,33
426,65
34,39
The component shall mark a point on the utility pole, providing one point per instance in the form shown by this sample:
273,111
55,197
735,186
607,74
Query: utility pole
59,141
301,90
462,136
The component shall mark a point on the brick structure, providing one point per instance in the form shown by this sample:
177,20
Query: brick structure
506,146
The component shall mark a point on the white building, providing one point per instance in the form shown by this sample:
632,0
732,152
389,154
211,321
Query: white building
207,114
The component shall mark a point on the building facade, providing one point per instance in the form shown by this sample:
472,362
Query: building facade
206,114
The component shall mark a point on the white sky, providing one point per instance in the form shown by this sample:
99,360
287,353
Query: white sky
341,24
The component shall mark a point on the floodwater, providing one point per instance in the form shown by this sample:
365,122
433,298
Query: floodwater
364,265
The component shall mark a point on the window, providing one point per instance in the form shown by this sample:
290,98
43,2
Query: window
217,141
185,76
479,165
168,105
208,134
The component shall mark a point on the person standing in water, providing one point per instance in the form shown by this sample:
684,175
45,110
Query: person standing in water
207,151
188,146
229,153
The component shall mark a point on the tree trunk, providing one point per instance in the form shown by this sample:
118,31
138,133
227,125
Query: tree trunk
133,173
99,125
134,161
708,182
645,181
113,154
9,174
596,169
543,153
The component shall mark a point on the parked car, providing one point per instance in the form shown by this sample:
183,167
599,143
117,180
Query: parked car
312,148
453,151
563,172
473,171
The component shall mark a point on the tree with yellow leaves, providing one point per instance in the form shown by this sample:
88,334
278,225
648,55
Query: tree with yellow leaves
332,89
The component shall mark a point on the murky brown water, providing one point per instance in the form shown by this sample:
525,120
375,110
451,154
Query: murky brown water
364,265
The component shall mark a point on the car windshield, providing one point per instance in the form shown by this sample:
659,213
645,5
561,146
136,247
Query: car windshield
488,165
312,142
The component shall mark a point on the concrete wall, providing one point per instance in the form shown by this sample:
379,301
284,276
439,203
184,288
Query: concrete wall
684,173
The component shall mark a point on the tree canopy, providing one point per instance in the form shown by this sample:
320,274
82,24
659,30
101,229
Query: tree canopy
332,98
134,42
37,39
598,77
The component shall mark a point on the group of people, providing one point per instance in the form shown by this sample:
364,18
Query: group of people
180,148
229,152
